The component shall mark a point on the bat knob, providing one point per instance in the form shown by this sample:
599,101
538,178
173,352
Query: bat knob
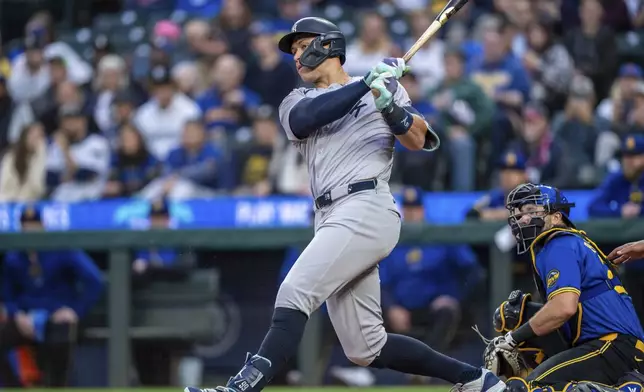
375,92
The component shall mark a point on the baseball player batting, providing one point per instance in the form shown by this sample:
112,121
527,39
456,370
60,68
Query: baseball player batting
346,136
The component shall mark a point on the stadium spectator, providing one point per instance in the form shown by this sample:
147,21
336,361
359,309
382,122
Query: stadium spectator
620,194
549,65
256,159
187,76
5,64
204,8
512,173
289,11
47,100
191,170
226,103
270,75
292,174
46,293
68,97
616,107
427,63
42,27
521,17
235,20
373,44
111,76
504,79
592,46
132,166
204,42
122,110
423,286
161,119
547,156
102,47
22,171
158,262
30,78
465,114
77,161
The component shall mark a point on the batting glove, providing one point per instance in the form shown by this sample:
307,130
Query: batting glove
393,66
505,343
386,87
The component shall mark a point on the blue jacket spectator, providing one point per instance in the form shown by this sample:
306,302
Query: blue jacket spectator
620,195
132,167
225,105
426,282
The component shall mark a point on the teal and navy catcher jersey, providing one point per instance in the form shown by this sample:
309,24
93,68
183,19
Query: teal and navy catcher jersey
569,262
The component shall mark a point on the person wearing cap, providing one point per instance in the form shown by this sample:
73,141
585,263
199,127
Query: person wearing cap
270,75
257,160
46,293
465,112
155,260
162,117
226,104
615,108
512,172
621,193
30,78
425,285
77,161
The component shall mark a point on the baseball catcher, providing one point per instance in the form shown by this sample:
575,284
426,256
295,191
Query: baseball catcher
586,336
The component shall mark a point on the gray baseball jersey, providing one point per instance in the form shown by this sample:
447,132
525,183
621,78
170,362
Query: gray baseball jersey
356,147
352,234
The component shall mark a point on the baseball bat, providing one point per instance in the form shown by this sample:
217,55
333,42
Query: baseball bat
447,12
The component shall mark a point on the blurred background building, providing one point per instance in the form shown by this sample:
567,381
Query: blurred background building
139,116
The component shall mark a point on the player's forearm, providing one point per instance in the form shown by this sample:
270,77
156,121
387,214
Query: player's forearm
554,313
311,114
414,139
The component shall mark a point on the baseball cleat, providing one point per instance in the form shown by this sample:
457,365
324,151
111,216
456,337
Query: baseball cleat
246,380
488,382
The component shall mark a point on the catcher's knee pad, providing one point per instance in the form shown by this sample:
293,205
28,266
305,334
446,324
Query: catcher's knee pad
631,381
516,384
542,389
514,312
588,386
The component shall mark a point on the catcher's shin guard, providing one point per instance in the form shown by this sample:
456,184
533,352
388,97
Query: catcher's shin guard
516,384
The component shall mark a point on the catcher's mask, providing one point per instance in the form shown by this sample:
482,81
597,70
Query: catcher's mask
529,204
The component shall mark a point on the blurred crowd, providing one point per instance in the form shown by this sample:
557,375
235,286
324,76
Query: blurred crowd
178,98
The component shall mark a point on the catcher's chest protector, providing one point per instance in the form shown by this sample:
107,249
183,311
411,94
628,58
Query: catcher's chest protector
570,331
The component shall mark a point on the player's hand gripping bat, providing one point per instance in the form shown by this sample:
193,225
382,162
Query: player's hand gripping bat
450,9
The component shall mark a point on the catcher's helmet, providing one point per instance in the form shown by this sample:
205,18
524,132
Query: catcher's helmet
551,199
329,41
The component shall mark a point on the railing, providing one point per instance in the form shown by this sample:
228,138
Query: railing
119,243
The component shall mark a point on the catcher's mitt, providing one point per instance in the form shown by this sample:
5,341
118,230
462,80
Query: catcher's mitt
503,362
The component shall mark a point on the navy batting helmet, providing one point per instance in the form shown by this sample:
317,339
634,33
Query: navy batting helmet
329,41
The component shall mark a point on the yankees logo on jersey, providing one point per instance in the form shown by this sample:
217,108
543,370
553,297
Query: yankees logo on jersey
357,146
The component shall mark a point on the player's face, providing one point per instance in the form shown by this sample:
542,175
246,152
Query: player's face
307,74
524,214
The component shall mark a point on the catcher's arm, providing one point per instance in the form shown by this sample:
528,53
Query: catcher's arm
554,313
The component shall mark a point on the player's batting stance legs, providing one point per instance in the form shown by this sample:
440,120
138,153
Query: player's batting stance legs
346,137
